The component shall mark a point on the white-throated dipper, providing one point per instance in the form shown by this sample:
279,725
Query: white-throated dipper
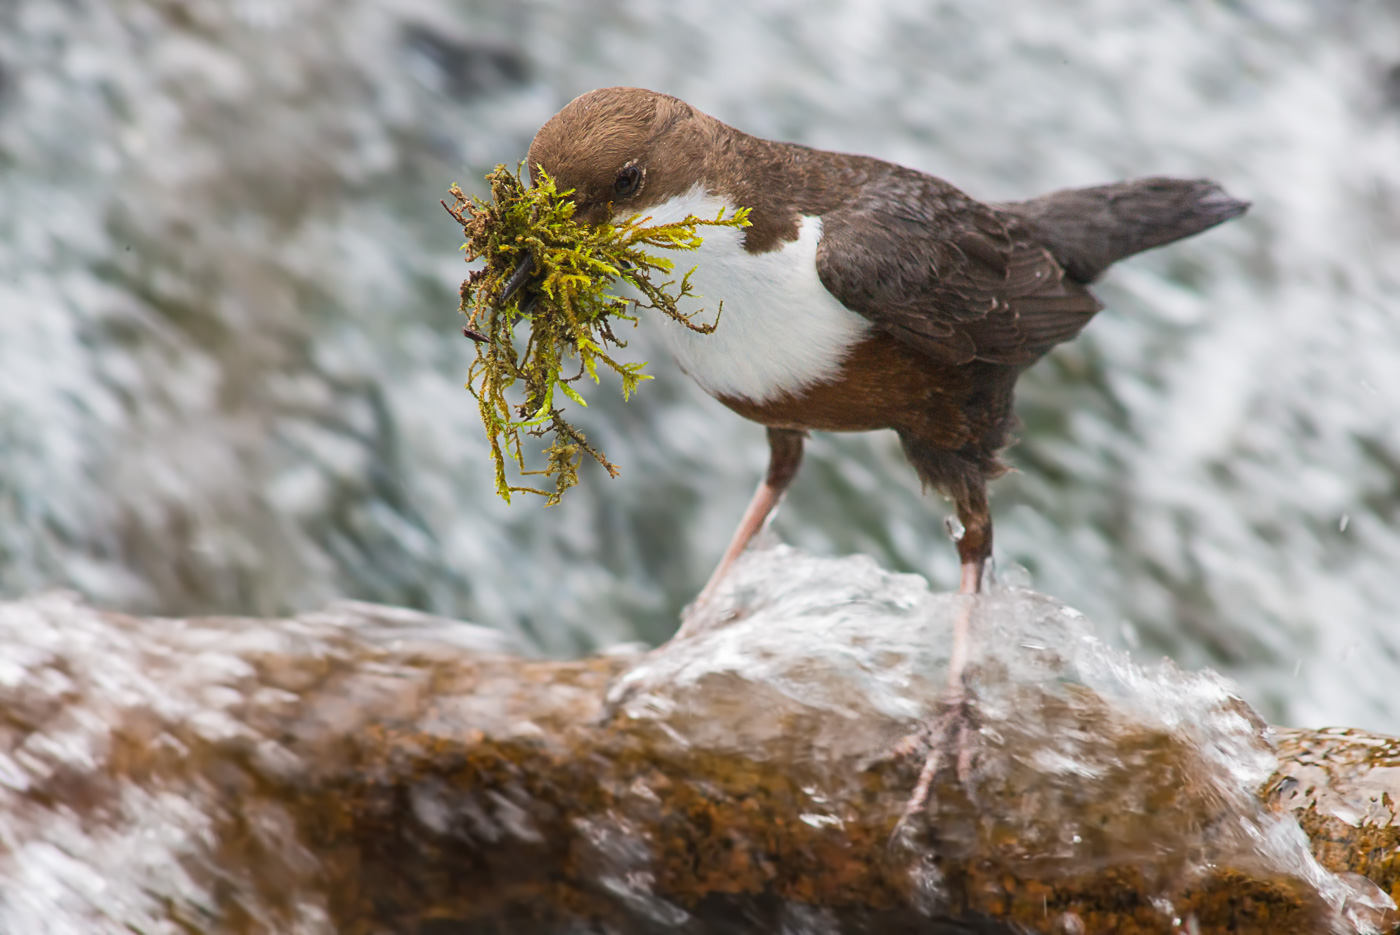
865,295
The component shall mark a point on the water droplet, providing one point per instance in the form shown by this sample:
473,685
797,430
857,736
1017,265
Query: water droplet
1342,525
1013,575
955,528
1070,924
821,821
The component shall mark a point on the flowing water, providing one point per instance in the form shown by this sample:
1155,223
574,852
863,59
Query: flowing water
230,370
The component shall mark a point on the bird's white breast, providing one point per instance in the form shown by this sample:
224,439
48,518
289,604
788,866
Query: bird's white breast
780,330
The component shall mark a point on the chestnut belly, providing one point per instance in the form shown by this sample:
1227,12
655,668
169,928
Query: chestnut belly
885,384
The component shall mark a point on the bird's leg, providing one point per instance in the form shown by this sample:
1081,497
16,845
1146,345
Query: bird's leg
974,548
785,455
949,730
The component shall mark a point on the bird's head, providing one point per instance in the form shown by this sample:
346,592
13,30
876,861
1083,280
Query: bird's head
622,151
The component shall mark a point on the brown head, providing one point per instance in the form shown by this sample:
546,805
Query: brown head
627,148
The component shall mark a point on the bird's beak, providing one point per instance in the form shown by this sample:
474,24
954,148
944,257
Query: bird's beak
517,279
591,214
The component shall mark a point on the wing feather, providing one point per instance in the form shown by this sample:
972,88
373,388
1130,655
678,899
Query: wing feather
955,278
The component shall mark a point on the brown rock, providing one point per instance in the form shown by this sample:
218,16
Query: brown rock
367,770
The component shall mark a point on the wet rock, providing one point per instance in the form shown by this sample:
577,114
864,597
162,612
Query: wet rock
1343,786
367,769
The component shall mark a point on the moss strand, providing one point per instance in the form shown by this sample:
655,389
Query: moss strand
573,315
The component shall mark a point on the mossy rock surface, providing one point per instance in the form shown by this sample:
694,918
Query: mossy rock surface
370,770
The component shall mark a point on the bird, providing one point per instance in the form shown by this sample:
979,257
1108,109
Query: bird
864,295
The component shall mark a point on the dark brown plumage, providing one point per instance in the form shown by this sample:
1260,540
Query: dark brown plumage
962,296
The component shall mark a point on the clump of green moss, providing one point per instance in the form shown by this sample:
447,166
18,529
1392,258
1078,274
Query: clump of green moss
570,309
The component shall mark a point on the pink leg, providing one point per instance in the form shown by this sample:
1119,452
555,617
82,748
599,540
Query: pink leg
974,548
951,725
785,454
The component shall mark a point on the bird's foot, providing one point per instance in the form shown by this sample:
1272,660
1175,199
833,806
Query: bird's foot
946,741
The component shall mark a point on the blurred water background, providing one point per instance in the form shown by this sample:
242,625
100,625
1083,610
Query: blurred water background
231,371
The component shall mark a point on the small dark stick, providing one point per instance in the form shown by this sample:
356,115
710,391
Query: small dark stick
517,279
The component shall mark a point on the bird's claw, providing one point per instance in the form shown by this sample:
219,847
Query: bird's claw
948,736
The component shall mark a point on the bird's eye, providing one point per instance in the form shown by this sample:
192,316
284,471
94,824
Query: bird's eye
627,181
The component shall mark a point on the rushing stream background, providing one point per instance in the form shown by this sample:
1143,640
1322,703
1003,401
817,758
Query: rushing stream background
230,364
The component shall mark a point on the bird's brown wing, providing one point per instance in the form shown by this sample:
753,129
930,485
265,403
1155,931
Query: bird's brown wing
950,276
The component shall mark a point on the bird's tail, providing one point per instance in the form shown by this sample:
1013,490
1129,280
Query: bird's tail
1090,229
